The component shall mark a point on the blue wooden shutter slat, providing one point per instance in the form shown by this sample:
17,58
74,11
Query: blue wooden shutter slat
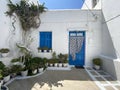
46,39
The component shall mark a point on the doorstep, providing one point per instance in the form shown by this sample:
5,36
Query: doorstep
59,68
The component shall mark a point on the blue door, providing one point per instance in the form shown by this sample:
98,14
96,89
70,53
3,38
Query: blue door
77,48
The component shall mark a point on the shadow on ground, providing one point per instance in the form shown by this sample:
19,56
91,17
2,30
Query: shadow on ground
56,80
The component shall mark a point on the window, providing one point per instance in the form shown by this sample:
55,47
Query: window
46,40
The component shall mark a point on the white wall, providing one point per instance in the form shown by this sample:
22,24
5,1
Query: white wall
88,4
111,13
63,21
60,23
111,9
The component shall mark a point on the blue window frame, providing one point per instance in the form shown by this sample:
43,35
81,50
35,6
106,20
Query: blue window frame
45,40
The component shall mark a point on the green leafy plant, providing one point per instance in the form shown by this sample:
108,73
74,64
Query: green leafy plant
4,50
15,60
28,13
6,71
16,68
97,61
2,66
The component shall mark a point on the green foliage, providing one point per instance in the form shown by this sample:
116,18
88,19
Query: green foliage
54,55
15,60
16,68
4,50
2,66
6,71
63,58
27,13
33,63
97,61
1,76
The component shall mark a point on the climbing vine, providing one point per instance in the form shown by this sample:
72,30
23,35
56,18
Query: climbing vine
28,14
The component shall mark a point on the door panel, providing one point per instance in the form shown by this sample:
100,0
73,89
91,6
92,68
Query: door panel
76,48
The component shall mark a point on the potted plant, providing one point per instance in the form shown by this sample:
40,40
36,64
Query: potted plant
15,61
15,69
6,74
33,65
1,78
65,60
97,63
24,71
60,58
4,51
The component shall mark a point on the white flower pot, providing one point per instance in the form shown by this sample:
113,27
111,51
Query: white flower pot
34,71
97,67
5,54
60,64
65,64
40,70
51,65
1,83
56,64
7,78
24,73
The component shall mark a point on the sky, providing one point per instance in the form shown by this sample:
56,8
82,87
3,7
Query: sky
63,4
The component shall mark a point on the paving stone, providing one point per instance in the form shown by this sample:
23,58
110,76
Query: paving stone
102,73
93,73
109,88
118,87
75,79
88,68
102,81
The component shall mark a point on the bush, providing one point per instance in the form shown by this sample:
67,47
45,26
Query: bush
6,72
2,66
16,68
97,61
4,50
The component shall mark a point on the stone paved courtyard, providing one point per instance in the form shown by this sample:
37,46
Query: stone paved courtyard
75,79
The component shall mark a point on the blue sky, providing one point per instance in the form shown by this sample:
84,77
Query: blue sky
63,4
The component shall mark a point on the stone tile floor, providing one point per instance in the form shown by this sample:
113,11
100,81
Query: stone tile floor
74,79
103,80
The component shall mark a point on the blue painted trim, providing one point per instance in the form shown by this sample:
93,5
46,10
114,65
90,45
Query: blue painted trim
84,46
45,39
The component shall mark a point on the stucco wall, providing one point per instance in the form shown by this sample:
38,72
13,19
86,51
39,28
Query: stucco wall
60,23
113,24
111,13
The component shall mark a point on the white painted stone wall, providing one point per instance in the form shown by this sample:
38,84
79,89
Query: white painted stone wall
111,13
60,23
88,4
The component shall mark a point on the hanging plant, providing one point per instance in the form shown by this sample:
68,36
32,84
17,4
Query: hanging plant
29,14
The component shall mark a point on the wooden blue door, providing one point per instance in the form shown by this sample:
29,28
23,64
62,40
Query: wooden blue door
77,48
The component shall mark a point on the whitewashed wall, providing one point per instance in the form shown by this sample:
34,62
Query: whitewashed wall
63,21
60,23
111,13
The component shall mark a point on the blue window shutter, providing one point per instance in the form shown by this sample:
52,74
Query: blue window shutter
46,39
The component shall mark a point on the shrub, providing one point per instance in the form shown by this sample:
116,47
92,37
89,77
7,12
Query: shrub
2,66
97,61
16,68
4,50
